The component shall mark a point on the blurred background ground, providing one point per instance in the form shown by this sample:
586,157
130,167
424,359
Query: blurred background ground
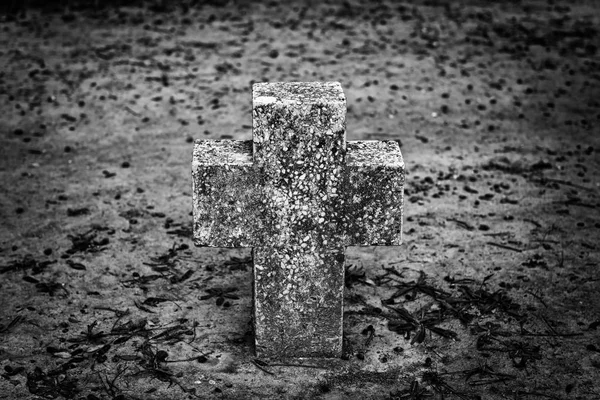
494,293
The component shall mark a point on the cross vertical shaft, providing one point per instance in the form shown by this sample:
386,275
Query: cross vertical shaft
299,148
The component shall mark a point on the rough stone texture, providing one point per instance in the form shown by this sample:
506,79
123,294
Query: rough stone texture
298,194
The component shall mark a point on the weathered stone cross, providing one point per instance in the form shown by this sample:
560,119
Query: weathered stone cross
298,194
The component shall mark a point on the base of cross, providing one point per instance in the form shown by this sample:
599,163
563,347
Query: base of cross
298,194
297,302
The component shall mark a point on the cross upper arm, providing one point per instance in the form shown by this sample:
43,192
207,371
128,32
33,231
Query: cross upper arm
227,194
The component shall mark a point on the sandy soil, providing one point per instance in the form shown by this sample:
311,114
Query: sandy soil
493,295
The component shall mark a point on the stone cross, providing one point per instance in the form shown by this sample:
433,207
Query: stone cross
298,194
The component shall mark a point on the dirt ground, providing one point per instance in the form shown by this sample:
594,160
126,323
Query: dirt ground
493,295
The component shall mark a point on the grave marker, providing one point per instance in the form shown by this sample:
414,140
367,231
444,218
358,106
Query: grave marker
298,194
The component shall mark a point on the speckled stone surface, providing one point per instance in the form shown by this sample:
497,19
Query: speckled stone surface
298,194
